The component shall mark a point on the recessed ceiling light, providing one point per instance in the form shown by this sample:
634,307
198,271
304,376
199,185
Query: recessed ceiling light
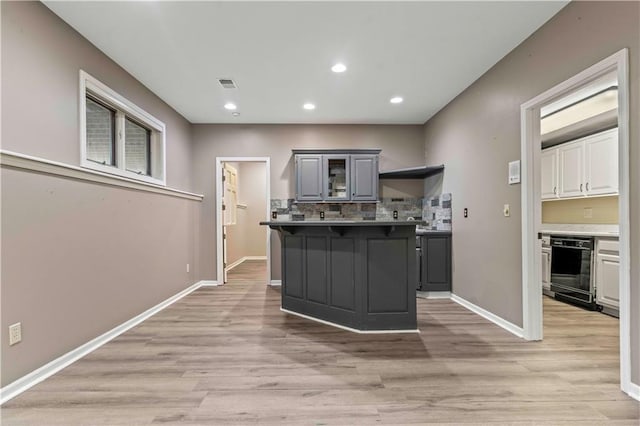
339,67
230,106
309,106
235,113
396,100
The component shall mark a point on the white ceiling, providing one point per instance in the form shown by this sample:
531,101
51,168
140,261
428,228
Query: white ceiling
280,54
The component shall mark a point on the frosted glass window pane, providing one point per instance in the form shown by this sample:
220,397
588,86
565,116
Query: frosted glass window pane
136,149
100,133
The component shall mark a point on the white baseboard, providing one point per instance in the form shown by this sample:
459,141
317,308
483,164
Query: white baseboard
343,327
234,264
434,294
275,282
633,391
208,283
25,382
244,259
501,322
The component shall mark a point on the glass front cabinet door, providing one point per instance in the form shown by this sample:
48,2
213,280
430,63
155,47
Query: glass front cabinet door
336,177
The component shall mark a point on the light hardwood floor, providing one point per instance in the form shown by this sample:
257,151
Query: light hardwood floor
227,355
249,270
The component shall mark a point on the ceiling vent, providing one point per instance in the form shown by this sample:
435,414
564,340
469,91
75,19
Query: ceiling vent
227,83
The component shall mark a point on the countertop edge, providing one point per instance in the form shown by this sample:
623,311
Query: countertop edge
595,230
343,223
580,233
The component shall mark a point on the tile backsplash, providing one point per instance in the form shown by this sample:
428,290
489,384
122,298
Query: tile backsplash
435,211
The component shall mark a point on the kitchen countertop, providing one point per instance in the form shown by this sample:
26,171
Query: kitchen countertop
595,230
432,232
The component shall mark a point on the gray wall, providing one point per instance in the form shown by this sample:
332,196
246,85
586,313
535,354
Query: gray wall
247,237
402,146
78,258
478,133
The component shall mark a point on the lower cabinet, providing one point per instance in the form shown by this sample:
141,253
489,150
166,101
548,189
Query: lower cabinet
545,263
546,269
607,272
436,262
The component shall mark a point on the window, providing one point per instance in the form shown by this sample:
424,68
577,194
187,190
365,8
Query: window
117,137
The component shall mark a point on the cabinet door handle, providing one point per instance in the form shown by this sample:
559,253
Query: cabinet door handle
555,190
580,187
587,186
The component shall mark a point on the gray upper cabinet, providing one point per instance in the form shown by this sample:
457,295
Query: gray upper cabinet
336,175
309,177
364,177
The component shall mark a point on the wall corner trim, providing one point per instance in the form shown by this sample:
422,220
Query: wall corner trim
17,160
31,379
501,322
275,282
634,391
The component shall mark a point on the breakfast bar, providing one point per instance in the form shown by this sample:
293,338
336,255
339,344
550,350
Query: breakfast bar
359,275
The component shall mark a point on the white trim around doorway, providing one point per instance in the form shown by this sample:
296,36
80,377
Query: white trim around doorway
219,194
531,205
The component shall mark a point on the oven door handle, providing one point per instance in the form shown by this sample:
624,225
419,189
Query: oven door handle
572,248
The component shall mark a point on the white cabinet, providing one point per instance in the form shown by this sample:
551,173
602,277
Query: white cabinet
571,156
607,273
601,163
585,167
549,171
546,268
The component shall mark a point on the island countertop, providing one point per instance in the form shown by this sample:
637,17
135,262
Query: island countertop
343,223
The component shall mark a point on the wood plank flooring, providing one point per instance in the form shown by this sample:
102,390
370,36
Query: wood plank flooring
227,355
249,270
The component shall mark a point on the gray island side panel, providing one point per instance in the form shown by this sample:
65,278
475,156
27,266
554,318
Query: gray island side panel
359,275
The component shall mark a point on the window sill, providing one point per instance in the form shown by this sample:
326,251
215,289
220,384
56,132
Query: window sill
112,170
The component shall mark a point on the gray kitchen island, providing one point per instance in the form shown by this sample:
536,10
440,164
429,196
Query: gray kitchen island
359,275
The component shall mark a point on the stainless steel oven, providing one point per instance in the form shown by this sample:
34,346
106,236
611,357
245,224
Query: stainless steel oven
571,266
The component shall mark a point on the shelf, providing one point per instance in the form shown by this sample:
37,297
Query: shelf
412,172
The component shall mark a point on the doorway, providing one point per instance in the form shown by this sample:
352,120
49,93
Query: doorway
242,201
532,211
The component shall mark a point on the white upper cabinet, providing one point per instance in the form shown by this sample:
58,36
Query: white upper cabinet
571,159
549,171
586,167
601,163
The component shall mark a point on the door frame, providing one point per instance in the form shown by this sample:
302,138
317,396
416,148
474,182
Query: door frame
219,216
532,209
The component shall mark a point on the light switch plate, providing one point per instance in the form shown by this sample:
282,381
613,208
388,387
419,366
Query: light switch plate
514,172
506,210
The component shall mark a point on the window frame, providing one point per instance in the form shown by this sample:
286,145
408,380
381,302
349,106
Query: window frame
125,109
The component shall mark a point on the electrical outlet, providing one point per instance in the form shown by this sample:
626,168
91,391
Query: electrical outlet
506,210
465,212
15,333
187,267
